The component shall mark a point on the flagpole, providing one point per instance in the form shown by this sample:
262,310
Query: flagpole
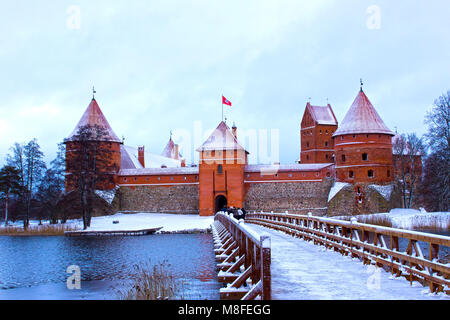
222,107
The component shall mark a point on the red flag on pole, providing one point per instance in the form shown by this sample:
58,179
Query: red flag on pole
225,101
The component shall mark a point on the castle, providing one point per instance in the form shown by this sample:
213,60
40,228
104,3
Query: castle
344,169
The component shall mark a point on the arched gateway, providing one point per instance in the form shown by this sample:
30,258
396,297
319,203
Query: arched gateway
220,202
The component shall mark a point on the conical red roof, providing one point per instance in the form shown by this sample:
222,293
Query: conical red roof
221,139
362,118
94,116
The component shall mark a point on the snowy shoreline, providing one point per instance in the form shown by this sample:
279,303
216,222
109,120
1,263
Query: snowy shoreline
170,223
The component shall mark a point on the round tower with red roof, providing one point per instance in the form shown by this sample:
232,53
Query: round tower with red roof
363,145
107,151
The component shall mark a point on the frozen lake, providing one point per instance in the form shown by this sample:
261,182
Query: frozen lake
34,267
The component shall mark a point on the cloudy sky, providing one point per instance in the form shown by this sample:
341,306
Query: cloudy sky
163,65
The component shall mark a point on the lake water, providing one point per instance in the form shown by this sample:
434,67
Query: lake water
34,267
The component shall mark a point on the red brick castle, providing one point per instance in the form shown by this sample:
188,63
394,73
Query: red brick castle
343,169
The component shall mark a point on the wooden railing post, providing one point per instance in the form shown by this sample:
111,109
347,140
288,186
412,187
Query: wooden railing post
265,268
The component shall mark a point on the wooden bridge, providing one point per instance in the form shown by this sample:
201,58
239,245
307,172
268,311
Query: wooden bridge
243,258
299,271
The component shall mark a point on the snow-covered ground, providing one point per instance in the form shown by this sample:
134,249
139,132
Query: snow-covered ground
303,271
139,221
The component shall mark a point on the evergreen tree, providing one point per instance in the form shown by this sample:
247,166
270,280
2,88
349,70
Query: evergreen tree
9,186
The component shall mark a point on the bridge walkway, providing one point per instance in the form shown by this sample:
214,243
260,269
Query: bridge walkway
303,271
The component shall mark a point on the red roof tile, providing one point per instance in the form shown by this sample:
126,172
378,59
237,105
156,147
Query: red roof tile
94,116
362,118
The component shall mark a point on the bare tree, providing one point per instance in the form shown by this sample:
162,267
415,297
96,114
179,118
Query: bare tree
27,159
437,165
90,166
408,150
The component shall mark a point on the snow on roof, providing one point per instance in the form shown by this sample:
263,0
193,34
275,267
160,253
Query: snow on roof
158,171
362,118
384,191
286,167
169,151
337,186
94,116
221,139
322,114
130,160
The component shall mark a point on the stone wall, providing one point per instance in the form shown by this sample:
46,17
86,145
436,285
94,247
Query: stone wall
295,197
162,199
348,202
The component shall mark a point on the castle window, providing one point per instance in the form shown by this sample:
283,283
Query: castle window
135,178
307,157
124,179
171,178
196,177
185,178
307,144
326,143
370,173
219,169
343,158
367,135
389,173
359,190
350,174
342,137
320,131
326,156
290,175
354,136
328,174
248,175
159,178
326,131
365,156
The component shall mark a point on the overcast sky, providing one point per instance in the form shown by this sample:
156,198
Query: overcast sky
163,65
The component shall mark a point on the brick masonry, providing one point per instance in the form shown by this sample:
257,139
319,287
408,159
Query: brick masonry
294,197
347,201
164,199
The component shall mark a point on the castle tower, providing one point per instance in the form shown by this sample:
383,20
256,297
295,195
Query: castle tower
172,150
107,151
221,171
316,130
363,145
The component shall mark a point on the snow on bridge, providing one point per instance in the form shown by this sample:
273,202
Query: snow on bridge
301,270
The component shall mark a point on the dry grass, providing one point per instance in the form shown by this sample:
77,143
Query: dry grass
154,283
370,219
375,220
43,230
431,224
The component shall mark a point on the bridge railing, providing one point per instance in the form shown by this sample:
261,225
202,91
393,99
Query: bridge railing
243,259
412,254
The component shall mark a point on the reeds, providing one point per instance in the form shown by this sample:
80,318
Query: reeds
42,230
155,282
375,220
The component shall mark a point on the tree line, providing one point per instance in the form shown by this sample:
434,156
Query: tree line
31,189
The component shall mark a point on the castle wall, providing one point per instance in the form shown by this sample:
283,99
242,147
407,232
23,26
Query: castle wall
363,198
295,197
163,199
